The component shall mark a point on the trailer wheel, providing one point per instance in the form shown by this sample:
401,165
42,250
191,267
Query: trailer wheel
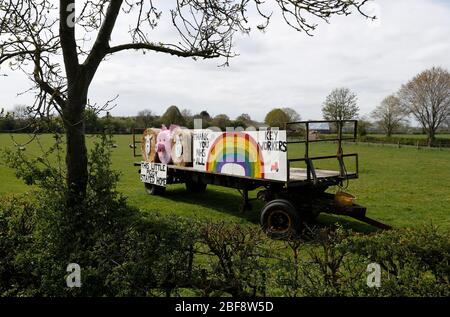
195,187
279,219
154,190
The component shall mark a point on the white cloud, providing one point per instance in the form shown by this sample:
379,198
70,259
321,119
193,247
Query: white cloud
282,67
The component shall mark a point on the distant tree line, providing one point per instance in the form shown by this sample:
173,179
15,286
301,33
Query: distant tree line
20,120
426,98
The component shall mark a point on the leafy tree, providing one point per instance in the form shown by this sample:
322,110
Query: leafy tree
204,115
242,121
390,114
188,118
340,104
276,118
186,113
172,116
427,97
292,114
145,118
245,117
222,121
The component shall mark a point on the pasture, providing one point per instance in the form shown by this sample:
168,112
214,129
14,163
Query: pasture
403,187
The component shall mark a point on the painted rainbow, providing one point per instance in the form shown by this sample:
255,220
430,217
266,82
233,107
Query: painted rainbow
236,148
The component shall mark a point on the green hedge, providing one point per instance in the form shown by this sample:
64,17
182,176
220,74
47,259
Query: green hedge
155,255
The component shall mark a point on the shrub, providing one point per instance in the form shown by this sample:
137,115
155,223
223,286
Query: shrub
327,267
415,262
156,258
236,258
136,256
17,223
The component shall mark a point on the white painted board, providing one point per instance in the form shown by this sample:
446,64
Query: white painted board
255,154
154,173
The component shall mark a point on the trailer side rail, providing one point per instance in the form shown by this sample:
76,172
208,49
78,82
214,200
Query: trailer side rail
309,161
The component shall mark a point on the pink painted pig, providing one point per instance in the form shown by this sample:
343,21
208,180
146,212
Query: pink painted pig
164,144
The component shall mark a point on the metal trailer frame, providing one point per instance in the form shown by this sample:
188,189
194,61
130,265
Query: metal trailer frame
295,200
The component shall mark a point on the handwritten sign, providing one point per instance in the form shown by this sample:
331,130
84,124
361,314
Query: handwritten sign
154,173
202,144
254,154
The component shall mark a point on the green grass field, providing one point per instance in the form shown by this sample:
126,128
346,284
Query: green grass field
402,187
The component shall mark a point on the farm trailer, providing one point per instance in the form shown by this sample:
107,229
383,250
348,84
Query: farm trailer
297,196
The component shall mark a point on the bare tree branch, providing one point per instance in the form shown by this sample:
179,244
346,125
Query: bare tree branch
163,49
101,45
67,36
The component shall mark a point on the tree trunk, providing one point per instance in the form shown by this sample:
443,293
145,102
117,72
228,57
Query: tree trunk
431,138
389,133
76,156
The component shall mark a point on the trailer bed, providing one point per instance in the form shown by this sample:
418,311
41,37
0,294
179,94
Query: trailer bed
300,174
296,174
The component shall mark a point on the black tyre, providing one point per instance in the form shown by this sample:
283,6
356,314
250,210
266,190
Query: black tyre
154,190
195,187
279,219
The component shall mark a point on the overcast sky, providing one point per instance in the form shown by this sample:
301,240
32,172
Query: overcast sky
281,67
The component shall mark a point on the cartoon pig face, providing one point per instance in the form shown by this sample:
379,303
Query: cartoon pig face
164,144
